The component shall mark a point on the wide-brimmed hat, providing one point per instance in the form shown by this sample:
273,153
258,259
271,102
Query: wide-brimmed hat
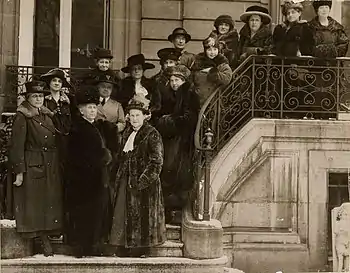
318,3
139,103
108,77
224,19
179,71
291,4
56,73
102,53
138,59
179,31
87,94
256,10
169,54
36,87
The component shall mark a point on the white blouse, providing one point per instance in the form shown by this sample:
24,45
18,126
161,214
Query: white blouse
129,145
140,90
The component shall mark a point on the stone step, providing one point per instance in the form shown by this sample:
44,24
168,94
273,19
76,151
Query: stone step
66,264
173,232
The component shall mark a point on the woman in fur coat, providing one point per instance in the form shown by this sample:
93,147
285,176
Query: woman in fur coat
227,37
88,188
138,218
210,70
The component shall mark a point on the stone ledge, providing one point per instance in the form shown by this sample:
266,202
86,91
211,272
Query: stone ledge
270,247
261,237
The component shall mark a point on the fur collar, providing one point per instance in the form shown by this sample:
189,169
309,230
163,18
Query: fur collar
231,35
332,26
143,133
202,61
29,111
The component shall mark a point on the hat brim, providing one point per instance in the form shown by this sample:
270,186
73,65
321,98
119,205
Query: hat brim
171,37
45,92
111,82
134,107
265,18
145,66
48,77
110,57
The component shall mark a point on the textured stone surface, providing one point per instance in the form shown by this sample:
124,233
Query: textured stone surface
12,245
64,264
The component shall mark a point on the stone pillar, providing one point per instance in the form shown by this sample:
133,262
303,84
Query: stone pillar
9,27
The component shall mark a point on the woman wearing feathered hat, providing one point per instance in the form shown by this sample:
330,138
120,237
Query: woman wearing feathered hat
177,125
330,38
34,158
255,36
138,221
227,36
88,187
179,38
137,84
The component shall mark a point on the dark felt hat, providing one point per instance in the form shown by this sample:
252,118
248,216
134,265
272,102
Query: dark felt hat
87,94
36,87
169,54
256,10
107,76
179,31
224,19
318,3
56,73
138,59
102,53
139,103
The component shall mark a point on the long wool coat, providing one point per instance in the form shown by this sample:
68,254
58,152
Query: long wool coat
87,190
177,127
260,43
33,152
206,83
330,41
142,205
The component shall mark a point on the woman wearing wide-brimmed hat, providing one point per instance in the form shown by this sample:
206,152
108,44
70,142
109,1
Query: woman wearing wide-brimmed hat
137,84
255,36
34,158
138,221
179,38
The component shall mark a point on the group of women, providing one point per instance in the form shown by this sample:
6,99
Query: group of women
109,162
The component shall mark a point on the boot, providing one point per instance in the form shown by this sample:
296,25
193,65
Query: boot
46,246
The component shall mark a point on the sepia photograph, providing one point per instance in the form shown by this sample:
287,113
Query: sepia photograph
174,136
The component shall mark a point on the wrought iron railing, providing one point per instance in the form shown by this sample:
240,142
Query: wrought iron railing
266,87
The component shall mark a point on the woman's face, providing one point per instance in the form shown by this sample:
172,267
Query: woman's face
56,84
89,111
323,11
211,52
293,15
105,89
136,118
136,71
169,63
224,28
179,41
255,22
176,82
36,99
103,64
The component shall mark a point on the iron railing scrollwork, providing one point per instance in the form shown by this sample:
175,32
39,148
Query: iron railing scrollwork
268,87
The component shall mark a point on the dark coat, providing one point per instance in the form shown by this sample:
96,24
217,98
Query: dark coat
127,92
330,41
177,127
162,85
260,44
228,45
219,75
140,170
287,42
33,152
88,182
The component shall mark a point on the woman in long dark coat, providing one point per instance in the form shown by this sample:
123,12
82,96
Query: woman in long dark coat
177,126
34,158
87,190
138,221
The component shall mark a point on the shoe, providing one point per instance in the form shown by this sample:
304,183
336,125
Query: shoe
46,246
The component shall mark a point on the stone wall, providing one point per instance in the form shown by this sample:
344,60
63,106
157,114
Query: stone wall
9,18
270,192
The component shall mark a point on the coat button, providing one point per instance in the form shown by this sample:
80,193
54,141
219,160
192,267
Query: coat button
45,136
45,149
